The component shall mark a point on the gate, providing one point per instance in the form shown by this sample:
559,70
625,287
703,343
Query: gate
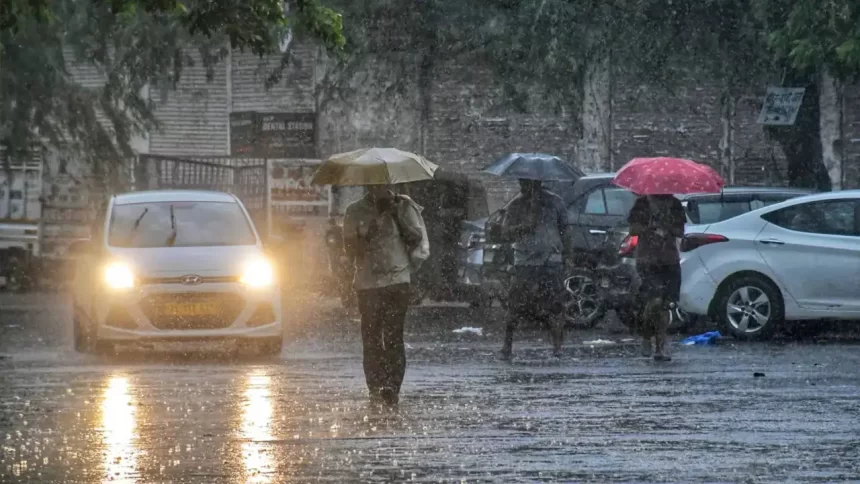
247,178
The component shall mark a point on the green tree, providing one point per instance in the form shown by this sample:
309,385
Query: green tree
817,43
134,43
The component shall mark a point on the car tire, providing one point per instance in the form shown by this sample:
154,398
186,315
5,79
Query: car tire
102,347
270,347
82,340
757,307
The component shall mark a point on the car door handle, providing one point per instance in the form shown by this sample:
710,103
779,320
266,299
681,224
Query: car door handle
771,242
596,232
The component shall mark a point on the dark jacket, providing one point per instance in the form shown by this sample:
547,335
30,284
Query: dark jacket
658,228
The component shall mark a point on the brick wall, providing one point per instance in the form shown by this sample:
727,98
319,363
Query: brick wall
471,125
684,121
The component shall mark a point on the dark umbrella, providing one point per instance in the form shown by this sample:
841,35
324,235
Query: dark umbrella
534,166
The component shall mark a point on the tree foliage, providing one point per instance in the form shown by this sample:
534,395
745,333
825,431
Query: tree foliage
133,44
811,34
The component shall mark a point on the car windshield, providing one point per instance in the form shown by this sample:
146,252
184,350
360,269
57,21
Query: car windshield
179,224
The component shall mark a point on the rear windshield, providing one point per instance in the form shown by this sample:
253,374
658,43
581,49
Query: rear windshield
713,211
179,224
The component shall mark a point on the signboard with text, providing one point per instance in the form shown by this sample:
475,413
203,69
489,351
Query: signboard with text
292,193
273,135
781,105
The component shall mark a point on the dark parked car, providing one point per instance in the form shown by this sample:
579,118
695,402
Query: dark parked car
455,208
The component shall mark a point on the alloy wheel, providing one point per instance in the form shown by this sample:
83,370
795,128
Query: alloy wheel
748,309
581,306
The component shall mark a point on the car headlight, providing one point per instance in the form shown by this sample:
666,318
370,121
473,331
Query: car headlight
119,276
258,273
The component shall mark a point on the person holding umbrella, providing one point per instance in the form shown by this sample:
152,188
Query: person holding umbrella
658,219
536,222
385,238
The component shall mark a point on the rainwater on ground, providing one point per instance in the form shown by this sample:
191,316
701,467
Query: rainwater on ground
599,414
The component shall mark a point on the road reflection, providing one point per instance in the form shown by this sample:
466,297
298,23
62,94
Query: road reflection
256,429
119,432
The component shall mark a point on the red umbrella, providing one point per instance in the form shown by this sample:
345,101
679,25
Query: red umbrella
668,176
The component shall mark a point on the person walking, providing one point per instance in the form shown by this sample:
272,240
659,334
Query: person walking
658,221
385,238
536,222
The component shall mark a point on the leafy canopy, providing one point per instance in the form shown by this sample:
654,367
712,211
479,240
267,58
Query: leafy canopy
817,33
133,44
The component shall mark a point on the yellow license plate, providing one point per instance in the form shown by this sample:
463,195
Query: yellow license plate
190,309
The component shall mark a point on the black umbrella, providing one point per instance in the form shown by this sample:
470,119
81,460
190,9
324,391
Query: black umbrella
534,166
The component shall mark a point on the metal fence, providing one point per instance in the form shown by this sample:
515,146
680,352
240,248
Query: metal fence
247,178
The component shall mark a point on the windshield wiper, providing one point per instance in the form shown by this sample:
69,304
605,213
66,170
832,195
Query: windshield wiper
172,239
139,219
136,225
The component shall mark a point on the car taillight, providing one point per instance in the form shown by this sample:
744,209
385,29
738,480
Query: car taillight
628,246
694,241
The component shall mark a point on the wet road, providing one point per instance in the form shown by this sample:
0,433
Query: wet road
600,414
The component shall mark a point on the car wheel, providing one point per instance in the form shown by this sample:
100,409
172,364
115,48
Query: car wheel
83,341
582,305
270,347
750,307
104,347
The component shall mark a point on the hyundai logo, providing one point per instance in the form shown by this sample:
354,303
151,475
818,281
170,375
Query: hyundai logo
191,280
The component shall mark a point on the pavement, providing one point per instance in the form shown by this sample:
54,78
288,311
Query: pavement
784,411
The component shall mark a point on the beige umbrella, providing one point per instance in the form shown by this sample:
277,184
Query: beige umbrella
374,166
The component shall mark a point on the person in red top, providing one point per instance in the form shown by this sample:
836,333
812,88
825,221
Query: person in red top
658,221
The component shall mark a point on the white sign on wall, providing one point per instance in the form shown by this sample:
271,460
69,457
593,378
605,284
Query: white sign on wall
781,105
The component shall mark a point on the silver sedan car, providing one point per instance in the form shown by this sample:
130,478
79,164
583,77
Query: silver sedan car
795,260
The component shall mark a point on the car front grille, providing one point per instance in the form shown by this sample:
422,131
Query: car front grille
179,280
192,310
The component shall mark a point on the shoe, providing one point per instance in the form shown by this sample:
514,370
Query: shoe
507,350
390,397
662,357
646,347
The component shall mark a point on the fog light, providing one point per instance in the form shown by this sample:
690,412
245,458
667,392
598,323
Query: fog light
119,317
263,315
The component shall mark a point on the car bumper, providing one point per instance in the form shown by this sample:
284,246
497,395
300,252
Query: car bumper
245,314
697,287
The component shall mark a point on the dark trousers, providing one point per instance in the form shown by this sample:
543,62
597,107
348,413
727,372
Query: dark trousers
661,285
536,293
383,314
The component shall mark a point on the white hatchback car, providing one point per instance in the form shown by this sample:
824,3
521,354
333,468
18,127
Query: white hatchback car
176,266
795,260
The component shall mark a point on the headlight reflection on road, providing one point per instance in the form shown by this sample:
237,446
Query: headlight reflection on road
119,432
256,429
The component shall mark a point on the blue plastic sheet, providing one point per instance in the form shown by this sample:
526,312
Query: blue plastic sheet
708,338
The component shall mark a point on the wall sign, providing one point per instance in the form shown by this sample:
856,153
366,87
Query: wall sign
781,105
273,135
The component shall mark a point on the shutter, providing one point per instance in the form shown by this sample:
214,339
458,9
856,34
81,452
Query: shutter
194,116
